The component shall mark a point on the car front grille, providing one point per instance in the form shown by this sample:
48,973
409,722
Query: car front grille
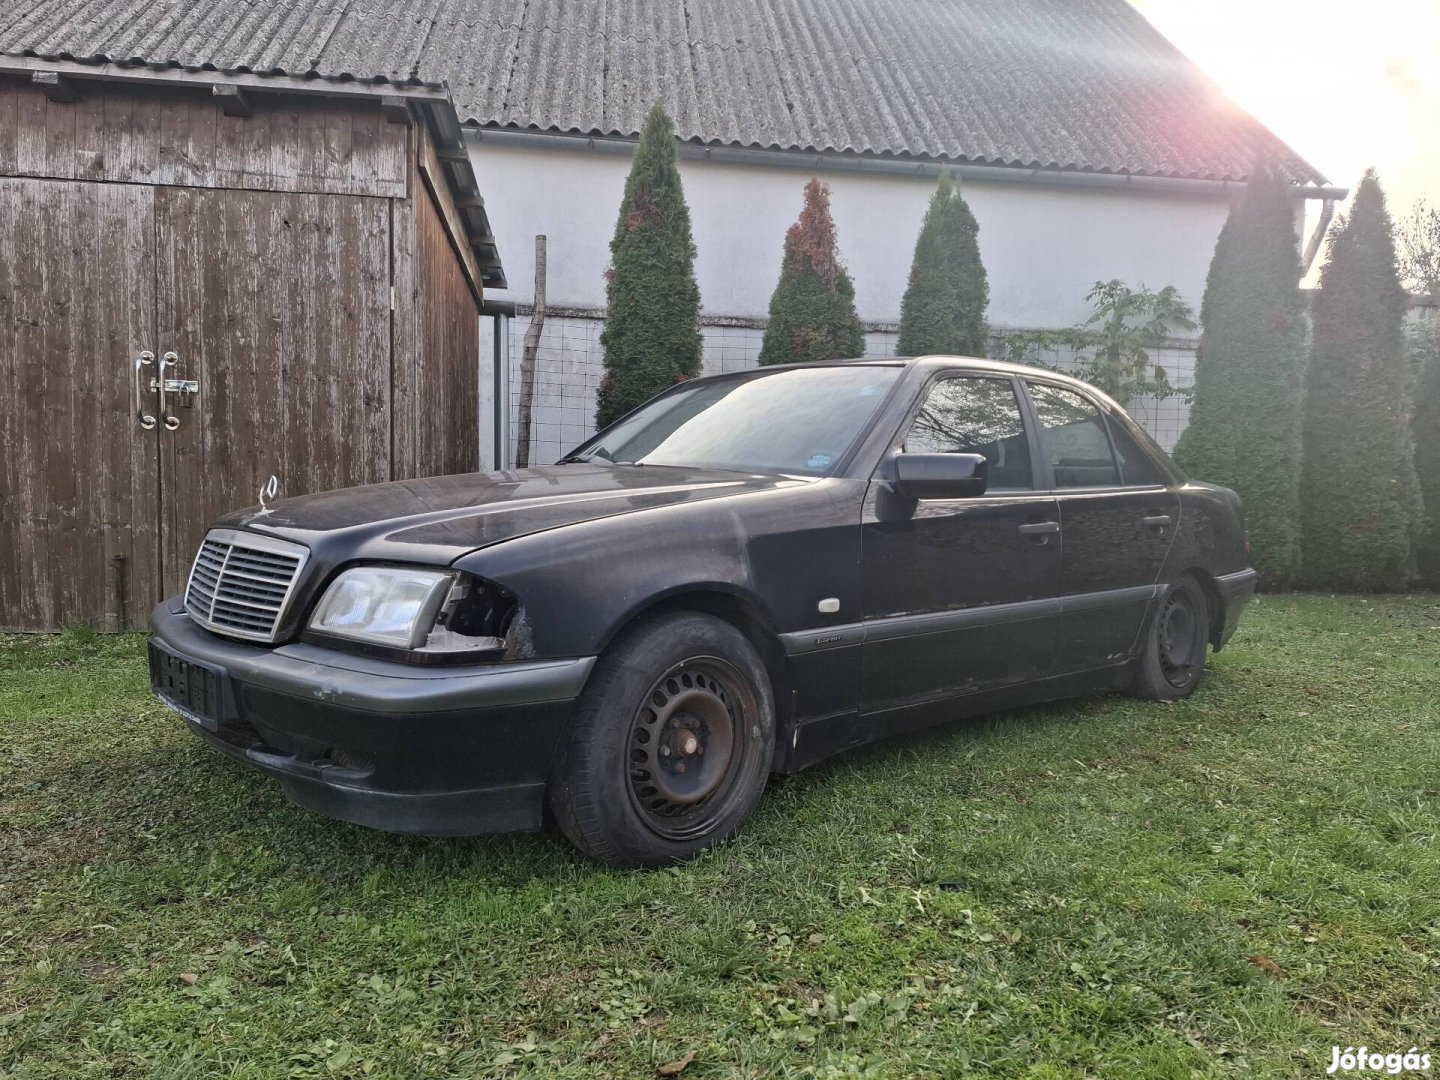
241,583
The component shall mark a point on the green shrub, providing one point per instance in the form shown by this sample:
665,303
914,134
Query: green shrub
1113,349
1245,418
944,306
1359,496
812,312
651,338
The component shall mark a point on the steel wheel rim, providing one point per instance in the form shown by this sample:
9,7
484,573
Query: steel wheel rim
688,741
1177,632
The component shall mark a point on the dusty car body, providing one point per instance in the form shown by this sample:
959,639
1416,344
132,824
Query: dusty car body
904,579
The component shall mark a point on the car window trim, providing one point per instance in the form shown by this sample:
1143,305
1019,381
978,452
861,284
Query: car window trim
892,447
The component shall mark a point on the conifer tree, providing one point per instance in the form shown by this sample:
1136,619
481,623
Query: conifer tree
1245,419
812,311
651,338
1359,496
1425,429
943,310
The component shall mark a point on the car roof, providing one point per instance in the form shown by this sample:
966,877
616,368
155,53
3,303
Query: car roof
971,363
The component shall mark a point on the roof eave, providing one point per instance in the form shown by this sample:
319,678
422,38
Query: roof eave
1311,187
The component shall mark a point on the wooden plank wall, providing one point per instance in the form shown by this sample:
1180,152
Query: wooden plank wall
133,134
437,344
263,250
78,485
279,304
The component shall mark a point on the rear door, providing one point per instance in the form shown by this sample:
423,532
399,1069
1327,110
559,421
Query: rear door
959,594
1118,516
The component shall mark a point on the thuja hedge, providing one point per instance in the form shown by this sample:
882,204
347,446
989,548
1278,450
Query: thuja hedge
1245,419
651,338
1359,496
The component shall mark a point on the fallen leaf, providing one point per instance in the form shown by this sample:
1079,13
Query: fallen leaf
189,980
675,1068
1265,964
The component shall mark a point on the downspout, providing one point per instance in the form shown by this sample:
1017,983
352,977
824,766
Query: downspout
1327,215
500,312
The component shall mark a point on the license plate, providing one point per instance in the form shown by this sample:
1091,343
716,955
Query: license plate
195,691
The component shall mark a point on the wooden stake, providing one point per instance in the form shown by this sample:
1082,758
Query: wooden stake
528,358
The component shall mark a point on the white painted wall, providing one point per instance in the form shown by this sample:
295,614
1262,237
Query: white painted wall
1043,246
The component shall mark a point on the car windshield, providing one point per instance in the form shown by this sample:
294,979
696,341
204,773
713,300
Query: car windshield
793,421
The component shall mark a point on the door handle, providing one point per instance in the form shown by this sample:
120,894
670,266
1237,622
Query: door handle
1157,521
1040,528
172,421
144,419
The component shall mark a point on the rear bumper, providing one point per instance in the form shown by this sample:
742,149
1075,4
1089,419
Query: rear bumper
1235,592
439,751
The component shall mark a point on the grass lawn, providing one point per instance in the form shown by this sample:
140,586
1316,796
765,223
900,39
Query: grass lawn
1227,886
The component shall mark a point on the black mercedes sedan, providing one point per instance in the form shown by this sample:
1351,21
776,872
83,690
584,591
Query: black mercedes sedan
747,574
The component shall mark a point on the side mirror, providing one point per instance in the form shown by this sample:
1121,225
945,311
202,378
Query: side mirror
941,476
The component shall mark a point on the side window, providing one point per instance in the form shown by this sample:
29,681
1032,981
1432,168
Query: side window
975,415
1136,467
1074,437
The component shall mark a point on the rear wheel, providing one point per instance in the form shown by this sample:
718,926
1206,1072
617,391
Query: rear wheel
670,744
1173,657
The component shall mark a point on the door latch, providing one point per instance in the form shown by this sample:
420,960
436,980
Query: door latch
185,388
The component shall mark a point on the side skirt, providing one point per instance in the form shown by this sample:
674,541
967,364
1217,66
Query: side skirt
817,738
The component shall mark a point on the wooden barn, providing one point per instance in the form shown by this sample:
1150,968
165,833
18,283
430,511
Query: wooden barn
208,279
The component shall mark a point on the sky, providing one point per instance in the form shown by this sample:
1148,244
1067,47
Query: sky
1348,86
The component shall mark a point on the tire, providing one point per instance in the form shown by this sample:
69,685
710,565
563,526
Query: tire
1173,658
632,785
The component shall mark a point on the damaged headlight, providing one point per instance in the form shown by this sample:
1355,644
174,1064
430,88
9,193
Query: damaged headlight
431,613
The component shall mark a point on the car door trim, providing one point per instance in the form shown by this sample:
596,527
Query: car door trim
894,627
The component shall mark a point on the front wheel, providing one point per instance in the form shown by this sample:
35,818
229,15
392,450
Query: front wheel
1173,656
669,746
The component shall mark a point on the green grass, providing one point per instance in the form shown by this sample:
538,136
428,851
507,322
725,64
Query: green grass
1061,892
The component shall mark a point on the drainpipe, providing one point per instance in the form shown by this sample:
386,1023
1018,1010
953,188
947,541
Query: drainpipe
501,312
1327,214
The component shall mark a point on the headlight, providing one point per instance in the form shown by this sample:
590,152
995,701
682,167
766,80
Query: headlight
385,605
433,615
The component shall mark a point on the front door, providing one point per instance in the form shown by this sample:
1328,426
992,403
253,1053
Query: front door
1117,516
959,593
277,305
79,498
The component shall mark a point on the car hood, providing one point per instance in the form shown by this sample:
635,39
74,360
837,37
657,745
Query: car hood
443,517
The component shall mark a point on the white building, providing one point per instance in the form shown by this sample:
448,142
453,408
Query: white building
1087,146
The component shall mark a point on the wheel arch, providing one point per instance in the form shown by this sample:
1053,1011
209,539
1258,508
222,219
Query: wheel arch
742,611
1213,602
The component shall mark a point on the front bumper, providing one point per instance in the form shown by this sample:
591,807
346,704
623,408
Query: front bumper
436,751
1235,592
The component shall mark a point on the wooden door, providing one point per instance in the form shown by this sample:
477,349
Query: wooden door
78,488
278,304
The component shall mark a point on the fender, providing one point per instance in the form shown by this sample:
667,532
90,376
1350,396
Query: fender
578,586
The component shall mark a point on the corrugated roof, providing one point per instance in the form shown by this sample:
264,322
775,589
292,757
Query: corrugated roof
1069,84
